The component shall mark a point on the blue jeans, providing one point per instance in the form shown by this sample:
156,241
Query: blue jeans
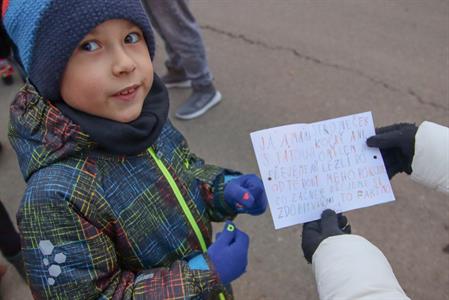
180,32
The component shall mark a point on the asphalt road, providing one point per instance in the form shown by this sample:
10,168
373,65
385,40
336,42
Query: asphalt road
280,62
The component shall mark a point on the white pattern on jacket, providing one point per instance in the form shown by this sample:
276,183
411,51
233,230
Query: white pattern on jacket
349,266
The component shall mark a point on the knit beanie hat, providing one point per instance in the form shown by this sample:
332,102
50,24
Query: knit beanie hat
46,32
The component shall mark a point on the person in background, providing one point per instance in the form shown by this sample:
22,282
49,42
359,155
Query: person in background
187,64
9,237
10,243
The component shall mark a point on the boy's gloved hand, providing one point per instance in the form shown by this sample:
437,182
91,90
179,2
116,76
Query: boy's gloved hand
229,253
397,145
313,233
246,194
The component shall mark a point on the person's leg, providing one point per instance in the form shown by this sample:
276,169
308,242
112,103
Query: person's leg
176,75
10,241
185,49
181,34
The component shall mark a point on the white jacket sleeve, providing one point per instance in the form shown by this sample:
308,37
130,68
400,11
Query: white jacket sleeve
431,160
350,267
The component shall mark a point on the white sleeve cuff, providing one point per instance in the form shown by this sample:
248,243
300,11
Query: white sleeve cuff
431,160
350,267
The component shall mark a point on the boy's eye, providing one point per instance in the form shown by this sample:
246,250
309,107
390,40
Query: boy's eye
90,46
132,38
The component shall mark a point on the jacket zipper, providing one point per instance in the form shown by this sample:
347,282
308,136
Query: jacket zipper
182,202
180,198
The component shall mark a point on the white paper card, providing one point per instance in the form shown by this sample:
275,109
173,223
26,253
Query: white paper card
307,168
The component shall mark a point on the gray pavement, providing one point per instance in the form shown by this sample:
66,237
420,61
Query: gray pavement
279,62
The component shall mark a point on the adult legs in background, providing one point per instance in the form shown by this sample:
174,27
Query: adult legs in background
187,61
10,242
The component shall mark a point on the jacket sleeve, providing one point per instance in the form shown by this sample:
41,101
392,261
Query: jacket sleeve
350,267
211,181
431,160
67,257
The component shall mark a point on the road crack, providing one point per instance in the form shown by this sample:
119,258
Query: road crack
409,91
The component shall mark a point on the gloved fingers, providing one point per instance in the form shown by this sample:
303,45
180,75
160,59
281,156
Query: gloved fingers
311,237
238,195
329,222
393,161
241,240
308,249
255,190
246,201
393,169
343,223
388,128
254,185
311,226
260,205
227,236
347,229
397,126
342,220
385,140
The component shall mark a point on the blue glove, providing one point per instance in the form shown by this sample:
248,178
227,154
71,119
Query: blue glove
246,194
229,253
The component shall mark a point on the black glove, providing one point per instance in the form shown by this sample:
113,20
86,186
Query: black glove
313,233
397,145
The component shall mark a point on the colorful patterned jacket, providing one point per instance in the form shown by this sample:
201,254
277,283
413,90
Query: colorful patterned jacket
99,226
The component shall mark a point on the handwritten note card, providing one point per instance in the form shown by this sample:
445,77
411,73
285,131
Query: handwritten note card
307,168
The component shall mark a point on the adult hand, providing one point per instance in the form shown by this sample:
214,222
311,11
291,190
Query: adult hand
397,145
229,253
313,233
246,194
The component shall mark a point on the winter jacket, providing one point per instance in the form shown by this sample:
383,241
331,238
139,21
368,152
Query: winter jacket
349,266
101,226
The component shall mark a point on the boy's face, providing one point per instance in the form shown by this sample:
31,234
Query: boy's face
110,73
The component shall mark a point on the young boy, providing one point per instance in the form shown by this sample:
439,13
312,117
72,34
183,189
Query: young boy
116,206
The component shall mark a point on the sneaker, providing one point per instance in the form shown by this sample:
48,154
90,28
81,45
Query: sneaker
176,78
201,100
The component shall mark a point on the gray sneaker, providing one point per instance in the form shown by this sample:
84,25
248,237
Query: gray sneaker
175,78
201,100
